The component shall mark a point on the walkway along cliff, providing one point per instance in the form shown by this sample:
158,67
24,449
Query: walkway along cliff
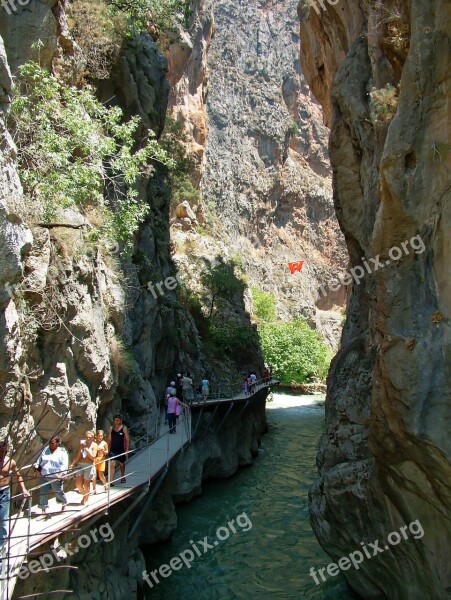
382,72
201,431
82,335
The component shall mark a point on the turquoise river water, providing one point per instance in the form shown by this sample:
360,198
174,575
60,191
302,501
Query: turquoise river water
273,547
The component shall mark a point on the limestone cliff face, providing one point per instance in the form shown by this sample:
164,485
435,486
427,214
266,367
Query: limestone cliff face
188,76
262,151
81,336
384,459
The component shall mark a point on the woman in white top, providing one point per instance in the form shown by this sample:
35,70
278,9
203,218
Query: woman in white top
52,467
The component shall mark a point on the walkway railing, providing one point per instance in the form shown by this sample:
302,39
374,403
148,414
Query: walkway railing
17,547
238,391
16,552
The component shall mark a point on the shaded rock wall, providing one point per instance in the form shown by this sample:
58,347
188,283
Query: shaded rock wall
384,458
218,451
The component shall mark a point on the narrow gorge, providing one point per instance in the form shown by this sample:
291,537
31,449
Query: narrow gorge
224,188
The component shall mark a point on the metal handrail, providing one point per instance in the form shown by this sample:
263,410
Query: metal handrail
256,386
66,474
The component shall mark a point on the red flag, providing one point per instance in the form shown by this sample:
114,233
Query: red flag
297,266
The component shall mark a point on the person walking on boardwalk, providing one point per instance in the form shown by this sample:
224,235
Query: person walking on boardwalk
84,464
52,466
173,402
7,466
187,388
119,445
169,389
253,379
205,388
99,462
178,386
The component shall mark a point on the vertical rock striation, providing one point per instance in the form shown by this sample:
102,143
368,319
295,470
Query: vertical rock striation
383,74
267,168
260,144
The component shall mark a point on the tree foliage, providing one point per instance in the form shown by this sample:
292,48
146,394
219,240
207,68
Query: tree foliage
234,339
295,351
264,306
165,15
221,283
74,151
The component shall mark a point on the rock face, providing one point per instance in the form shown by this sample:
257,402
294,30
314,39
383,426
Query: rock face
188,76
383,75
258,136
82,335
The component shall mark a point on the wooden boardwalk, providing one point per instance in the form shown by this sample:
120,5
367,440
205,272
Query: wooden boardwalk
141,469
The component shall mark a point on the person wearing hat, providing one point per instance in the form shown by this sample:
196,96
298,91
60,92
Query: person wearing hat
169,389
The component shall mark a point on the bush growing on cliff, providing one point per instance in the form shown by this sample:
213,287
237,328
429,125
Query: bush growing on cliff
99,32
160,16
221,283
264,306
383,103
295,351
74,151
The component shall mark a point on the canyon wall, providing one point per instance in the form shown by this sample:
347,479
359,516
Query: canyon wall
382,72
81,335
261,150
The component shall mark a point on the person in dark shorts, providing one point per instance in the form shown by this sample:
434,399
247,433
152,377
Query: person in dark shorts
119,444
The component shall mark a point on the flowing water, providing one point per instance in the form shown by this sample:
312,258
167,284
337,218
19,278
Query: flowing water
271,553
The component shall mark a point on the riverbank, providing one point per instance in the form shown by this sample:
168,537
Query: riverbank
306,389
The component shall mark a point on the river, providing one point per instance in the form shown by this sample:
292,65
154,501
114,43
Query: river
273,547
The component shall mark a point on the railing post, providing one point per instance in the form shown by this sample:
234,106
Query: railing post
108,464
29,523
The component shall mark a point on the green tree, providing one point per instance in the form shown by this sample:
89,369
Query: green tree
234,339
295,351
221,283
264,306
73,150
165,15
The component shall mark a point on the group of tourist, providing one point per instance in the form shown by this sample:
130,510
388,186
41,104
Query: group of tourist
93,452
53,466
89,463
185,389
251,379
181,392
